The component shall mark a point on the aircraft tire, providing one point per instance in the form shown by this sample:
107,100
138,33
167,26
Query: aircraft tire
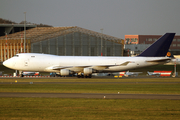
90,76
21,75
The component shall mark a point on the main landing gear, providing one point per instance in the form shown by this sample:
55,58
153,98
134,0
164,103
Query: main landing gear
21,73
84,76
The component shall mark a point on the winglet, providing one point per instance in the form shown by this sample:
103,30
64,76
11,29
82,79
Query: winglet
160,47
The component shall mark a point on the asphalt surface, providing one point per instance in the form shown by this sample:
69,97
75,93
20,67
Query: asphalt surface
90,95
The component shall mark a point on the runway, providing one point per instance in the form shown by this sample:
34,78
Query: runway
90,95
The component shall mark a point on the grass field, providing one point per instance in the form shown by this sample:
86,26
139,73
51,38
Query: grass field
89,109
94,79
138,86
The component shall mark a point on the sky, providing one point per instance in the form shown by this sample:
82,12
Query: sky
116,17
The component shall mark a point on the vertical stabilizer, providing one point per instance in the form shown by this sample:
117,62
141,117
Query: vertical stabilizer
160,47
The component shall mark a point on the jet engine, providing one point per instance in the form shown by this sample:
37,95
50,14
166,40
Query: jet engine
88,71
64,72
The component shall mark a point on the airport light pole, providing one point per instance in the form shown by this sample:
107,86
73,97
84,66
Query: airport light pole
24,32
175,68
6,48
101,43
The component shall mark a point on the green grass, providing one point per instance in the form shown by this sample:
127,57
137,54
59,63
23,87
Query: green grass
93,88
135,85
88,109
95,79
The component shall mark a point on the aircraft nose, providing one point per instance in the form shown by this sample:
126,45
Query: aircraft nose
7,63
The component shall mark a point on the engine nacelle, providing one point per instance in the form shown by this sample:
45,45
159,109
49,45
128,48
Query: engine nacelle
88,71
64,72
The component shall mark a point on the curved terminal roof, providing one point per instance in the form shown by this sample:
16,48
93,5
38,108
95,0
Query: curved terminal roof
44,33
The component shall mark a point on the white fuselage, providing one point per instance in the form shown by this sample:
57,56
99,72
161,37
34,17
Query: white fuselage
45,62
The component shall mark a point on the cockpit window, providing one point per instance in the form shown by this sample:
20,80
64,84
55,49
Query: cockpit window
16,55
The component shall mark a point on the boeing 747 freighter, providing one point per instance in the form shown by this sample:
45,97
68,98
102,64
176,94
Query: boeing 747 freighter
85,66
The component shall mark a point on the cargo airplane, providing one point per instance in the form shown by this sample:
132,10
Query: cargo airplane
85,66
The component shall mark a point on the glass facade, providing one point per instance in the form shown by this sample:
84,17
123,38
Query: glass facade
77,44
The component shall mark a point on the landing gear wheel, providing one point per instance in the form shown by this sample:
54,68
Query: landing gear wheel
90,76
21,75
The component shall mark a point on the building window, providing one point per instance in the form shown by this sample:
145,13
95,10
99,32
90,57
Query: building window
178,40
108,51
150,39
77,51
178,45
133,39
174,45
92,51
127,40
174,40
154,39
136,39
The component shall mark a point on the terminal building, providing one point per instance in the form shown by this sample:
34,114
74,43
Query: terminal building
64,41
135,44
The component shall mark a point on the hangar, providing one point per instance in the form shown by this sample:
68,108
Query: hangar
65,41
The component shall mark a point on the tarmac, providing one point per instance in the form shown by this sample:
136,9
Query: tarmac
90,95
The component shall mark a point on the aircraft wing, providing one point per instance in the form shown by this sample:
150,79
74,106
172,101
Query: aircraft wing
97,67
102,67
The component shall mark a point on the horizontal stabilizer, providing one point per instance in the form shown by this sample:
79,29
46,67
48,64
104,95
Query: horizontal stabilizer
160,60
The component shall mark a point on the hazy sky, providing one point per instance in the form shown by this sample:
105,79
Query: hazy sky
116,17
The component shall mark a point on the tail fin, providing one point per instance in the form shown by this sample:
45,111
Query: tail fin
160,47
